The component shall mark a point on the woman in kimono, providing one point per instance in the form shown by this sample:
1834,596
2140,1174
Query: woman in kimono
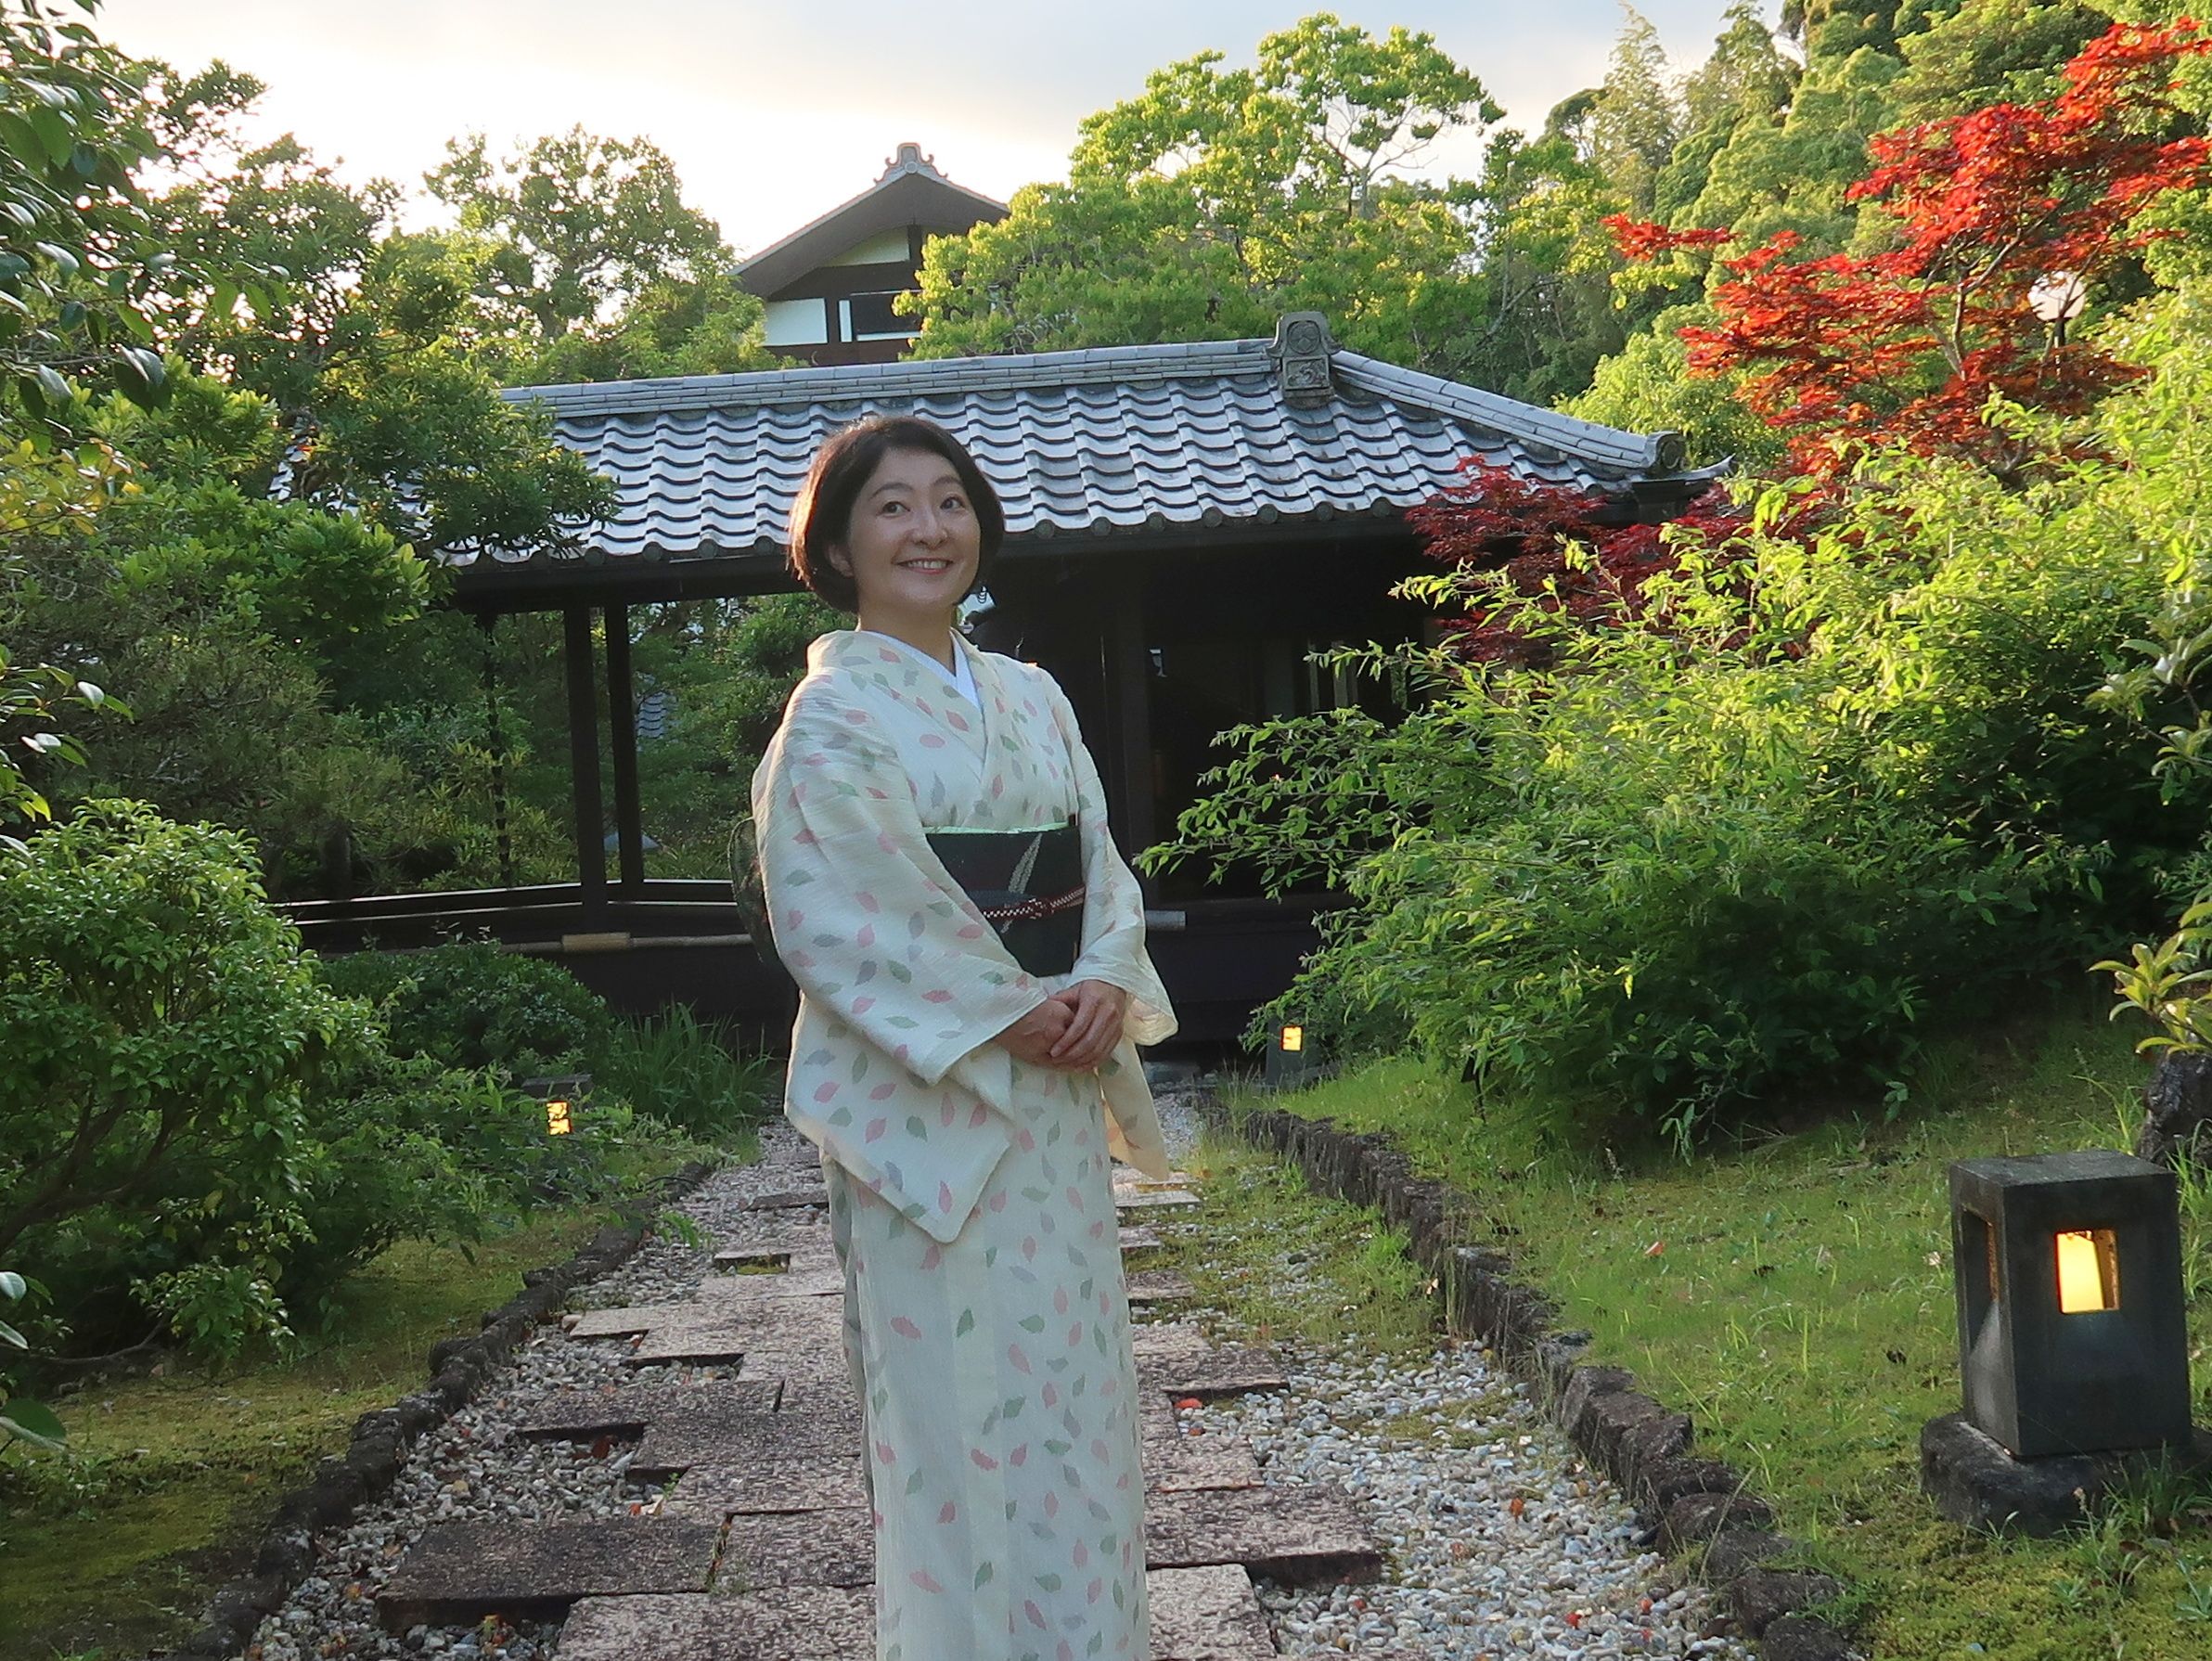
965,1109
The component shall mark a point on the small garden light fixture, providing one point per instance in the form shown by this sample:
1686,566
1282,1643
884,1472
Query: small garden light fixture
2072,1334
562,1095
2057,298
1289,1058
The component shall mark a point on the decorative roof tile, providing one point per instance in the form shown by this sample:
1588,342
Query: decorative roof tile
1190,435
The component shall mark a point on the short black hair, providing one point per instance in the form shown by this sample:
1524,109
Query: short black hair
822,517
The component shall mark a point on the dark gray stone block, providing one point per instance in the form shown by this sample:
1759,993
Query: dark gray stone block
1733,1552
1801,1638
457,1573
1662,1482
1585,1384
2178,1119
1696,1517
1760,1597
1626,1431
1976,1481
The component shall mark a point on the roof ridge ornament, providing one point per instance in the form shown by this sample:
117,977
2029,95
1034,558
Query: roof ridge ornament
910,160
1300,351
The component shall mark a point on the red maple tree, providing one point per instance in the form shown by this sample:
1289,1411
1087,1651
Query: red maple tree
1496,521
1906,345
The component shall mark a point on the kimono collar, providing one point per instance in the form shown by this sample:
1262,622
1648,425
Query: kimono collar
858,648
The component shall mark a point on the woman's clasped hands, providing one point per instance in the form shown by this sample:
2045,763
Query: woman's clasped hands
1075,1030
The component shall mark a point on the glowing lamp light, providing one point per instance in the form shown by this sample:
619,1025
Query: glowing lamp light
2089,1272
563,1098
1289,1060
2072,1328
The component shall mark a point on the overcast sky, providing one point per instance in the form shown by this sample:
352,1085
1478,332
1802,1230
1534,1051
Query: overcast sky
776,112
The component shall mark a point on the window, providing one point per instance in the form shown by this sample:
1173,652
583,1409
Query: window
869,317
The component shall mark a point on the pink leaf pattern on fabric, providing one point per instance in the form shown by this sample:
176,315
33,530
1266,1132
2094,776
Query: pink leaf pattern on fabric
1003,1471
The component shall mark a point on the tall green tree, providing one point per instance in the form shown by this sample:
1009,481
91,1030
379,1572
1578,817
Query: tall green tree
1637,116
1220,199
582,225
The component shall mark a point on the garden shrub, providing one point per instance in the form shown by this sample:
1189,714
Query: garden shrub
1835,786
471,1005
682,1074
154,1011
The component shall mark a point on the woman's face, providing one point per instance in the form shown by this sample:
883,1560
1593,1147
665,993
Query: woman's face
913,545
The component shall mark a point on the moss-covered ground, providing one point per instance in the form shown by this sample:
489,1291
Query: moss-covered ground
116,1548
1793,1293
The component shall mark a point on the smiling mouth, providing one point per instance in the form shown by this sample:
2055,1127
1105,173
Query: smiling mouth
928,565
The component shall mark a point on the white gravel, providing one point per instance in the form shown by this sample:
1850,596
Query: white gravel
1436,1451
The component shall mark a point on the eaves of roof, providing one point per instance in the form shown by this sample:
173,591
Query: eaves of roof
1136,444
933,203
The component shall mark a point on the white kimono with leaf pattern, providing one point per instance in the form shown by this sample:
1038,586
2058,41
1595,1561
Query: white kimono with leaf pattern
903,983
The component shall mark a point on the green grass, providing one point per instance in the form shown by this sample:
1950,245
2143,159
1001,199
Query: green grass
1284,1263
117,1548
1794,1295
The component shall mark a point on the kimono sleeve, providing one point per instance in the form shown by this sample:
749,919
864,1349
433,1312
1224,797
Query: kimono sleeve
1114,949
863,914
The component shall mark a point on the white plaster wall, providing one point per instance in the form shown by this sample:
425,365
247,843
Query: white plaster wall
794,323
889,245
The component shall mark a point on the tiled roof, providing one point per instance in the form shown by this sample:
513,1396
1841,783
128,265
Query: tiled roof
1126,439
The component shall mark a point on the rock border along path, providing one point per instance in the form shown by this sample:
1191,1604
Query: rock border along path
1690,1499
685,1484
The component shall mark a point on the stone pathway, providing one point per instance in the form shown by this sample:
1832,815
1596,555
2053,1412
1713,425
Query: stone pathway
758,1545
676,1474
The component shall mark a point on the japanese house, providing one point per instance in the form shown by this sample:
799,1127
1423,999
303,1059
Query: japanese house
829,285
1185,522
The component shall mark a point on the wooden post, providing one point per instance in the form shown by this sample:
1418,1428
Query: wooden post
621,711
584,762
1129,679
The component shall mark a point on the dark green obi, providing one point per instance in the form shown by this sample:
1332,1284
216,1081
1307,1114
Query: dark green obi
1028,884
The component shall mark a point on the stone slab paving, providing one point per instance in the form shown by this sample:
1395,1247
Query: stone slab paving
1181,1362
460,1572
1198,1615
789,1199
709,1433
551,1449
717,1333
785,1623
624,1410
1305,1534
712,1494
1126,1201
801,1278
1137,1240
1157,1286
813,1548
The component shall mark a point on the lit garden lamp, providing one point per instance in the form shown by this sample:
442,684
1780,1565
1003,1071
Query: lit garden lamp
2057,298
563,1095
1289,1058
2073,1343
